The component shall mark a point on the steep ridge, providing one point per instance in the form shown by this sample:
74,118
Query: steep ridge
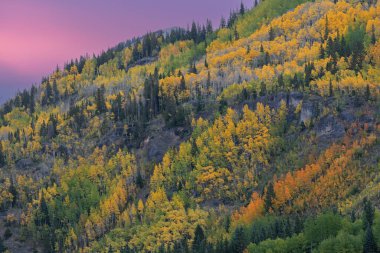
244,138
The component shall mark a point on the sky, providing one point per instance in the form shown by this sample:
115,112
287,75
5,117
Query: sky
38,35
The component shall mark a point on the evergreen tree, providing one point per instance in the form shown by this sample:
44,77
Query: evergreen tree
367,92
44,211
369,242
182,84
199,243
373,35
194,32
222,22
2,155
209,28
32,102
330,48
269,196
238,241
47,98
369,213
55,91
326,35
2,246
100,100
242,8
263,89
12,190
280,81
271,34
331,91
355,37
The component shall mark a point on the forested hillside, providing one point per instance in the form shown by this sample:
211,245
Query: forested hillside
258,135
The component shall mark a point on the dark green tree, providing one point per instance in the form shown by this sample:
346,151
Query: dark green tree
331,91
369,242
199,243
2,155
263,89
326,35
242,8
373,35
100,100
271,34
238,241
269,196
368,213
2,246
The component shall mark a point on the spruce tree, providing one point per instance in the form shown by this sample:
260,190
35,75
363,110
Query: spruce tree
238,241
326,35
367,93
271,34
369,242
369,213
331,91
2,155
373,36
268,197
242,8
199,243
2,246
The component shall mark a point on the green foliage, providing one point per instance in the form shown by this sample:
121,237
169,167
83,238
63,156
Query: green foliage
263,13
343,242
376,230
321,228
217,189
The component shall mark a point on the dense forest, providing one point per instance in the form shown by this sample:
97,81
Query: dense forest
259,134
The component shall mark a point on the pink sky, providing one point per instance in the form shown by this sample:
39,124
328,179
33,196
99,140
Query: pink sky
37,35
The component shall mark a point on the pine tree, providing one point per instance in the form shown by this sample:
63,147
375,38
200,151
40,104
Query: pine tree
369,213
331,91
367,92
100,100
44,211
222,22
263,89
321,52
280,81
369,242
326,35
373,36
55,91
268,197
194,32
182,85
271,34
242,8
330,49
199,243
2,155
238,241
2,246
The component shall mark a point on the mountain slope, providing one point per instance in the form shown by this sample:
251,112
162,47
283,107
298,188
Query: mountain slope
251,137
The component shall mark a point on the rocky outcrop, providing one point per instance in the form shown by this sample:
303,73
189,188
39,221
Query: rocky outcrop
329,127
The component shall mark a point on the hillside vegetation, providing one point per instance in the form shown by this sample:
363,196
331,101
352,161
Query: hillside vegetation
259,136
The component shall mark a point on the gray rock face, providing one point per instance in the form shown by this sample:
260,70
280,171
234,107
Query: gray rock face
295,99
157,146
329,127
309,110
24,164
